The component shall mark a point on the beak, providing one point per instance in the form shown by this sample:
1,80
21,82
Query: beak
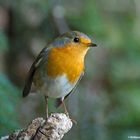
92,45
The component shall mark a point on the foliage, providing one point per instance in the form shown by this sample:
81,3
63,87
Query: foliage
8,102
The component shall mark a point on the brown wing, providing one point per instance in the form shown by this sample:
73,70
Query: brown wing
59,100
41,57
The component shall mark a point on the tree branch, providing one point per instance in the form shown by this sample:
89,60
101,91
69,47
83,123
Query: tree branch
53,128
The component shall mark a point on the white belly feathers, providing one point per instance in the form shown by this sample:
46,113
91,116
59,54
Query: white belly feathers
58,87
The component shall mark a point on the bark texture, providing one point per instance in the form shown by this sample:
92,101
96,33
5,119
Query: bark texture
53,128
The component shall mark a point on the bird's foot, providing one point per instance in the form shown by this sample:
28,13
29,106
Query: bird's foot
74,121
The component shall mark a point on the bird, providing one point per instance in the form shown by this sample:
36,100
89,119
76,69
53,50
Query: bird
59,67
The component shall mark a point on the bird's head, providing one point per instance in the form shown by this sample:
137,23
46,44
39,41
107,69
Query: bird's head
74,39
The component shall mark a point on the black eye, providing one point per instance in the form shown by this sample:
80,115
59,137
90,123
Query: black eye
76,39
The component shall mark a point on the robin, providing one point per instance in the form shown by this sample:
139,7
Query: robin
59,67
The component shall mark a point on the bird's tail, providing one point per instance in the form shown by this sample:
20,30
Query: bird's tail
28,83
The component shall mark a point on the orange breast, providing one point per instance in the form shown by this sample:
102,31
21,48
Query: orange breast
66,60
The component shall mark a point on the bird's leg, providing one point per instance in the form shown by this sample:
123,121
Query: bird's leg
46,100
65,109
66,112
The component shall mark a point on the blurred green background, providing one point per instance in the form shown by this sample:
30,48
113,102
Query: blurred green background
106,104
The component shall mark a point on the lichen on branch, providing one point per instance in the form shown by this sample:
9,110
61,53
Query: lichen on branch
53,128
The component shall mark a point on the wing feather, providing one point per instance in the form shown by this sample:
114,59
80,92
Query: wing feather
41,57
